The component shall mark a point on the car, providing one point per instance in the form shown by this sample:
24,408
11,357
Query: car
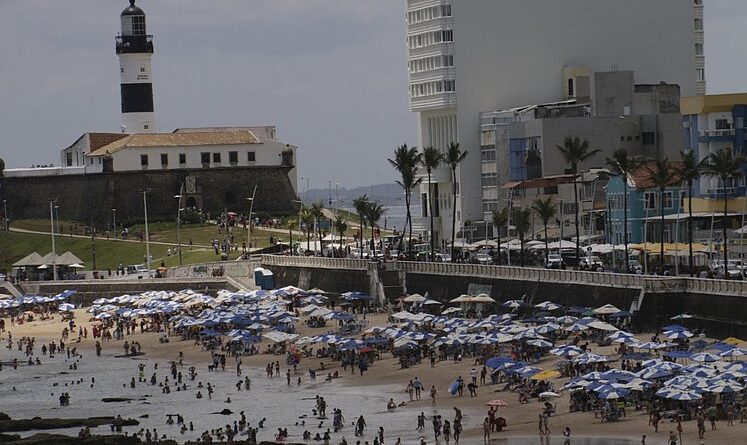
635,266
591,263
443,258
731,273
554,261
483,258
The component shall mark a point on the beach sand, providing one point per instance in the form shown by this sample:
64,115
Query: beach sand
382,381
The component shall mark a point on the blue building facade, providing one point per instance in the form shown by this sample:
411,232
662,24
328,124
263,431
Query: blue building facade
644,204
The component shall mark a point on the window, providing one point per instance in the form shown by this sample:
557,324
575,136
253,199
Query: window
216,158
489,179
551,190
649,138
569,208
667,200
142,69
698,24
488,155
448,60
164,159
701,74
622,138
138,25
205,158
182,158
447,36
233,157
69,159
649,200
144,160
445,10
251,156
570,88
424,204
683,197
722,124
698,49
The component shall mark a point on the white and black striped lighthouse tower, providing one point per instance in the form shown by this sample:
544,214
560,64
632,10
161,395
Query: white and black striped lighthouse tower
135,50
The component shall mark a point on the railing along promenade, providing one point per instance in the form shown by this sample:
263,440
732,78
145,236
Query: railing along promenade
651,284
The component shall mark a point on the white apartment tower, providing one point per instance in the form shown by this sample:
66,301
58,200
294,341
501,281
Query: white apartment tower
700,85
469,56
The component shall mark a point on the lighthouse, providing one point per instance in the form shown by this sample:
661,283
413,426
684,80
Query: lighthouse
135,50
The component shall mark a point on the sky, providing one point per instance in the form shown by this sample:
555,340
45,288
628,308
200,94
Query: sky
330,74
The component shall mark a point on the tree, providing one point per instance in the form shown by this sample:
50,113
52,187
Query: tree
361,204
500,219
522,219
661,176
340,227
317,211
406,161
689,172
721,164
308,221
620,165
576,151
431,159
292,224
454,156
373,215
545,210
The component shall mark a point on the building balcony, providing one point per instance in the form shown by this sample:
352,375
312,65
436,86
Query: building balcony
433,102
725,135
134,44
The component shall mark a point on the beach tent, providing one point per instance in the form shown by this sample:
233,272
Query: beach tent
607,309
414,298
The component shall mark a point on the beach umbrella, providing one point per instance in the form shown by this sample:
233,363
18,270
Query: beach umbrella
540,343
528,371
590,358
726,387
705,357
683,396
548,394
681,317
678,335
576,328
567,351
547,328
497,403
566,319
66,307
602,326
733,353
497,362
629,341
607,309
614,394
546,375
432,303
547,306
513,304
619,334
414,298
618,374
650,345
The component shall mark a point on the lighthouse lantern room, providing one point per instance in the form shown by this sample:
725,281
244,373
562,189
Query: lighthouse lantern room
135,50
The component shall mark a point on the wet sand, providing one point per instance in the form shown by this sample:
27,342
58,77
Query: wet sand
282,405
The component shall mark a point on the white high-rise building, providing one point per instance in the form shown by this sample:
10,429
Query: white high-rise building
468,56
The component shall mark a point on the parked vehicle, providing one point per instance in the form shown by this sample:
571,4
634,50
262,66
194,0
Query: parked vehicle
483,258
591,263
555,261
731,273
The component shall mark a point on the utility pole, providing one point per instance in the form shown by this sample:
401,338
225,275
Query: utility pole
93,245
147,236
249,225
114,222
51,229
179,221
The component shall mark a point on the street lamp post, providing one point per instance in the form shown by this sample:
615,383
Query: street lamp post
51,229
298,222
114,222
179,222
147,237
57,218
5,214
249,226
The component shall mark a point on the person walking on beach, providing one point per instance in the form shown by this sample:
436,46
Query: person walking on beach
418,387
360,425
421,422
672,438
486,430
545,422
447,431
540,425
410,390
457,431
434,394
655,419
712,412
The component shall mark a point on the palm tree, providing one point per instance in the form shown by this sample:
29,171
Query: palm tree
317,210
576,151
620,165
689,172
373,215
360,204
292,224
431,159
454,156
661,176
500,219
308,220
721,164
545,210
340,227
522,219
406,161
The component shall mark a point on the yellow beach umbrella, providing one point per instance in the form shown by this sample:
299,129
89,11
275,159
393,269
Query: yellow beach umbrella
733,341
546,375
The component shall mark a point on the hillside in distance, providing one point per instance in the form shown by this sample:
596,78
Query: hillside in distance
387,194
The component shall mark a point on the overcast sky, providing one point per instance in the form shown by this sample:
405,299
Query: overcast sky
331,74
